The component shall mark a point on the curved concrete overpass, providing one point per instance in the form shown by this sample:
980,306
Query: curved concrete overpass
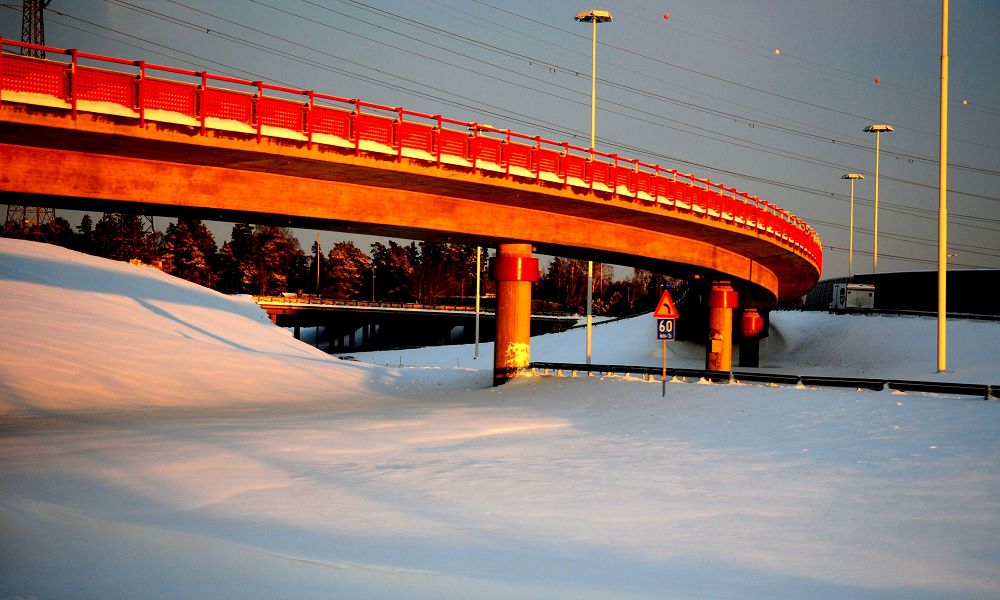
81,137
95,132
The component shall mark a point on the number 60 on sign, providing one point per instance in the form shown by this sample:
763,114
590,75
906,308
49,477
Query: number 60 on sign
665,329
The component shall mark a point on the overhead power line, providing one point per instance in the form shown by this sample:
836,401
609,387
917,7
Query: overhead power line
444,96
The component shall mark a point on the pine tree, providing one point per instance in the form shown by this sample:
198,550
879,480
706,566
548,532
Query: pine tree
269,259
461,266
189,252
234,258
84,239
431,272
316,264
121,236
230,279
58,231
565,284
347,271
393,265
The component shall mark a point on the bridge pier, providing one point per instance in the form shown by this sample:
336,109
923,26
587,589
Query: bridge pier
514,270
722,299
751,325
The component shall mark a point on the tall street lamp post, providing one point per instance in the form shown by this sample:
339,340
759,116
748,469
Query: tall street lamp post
594,17
319,255
479,273
877,129
850,243
942,336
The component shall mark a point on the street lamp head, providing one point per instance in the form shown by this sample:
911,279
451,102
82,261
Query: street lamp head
598,16
852,176
879,128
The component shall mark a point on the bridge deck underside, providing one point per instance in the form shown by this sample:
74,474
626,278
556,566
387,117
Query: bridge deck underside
99,162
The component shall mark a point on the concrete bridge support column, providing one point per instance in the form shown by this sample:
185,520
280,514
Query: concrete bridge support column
722,299
751,325
514,270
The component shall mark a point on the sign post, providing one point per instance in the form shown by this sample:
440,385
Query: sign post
666,319
663,376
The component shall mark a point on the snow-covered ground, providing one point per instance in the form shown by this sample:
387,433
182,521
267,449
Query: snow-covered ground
158,440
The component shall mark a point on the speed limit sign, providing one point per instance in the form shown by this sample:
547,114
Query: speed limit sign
665,329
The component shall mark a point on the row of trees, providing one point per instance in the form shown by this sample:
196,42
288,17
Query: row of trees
268,260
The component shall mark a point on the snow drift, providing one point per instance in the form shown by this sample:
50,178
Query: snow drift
161,441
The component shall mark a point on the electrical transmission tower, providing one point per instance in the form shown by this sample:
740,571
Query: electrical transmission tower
33,26
31,220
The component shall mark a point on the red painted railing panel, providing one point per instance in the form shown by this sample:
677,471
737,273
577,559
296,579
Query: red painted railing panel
487,149
172,96
286,114
679,192
712,202
546,161
517,155
373,128
692,195
229,105
739,210
574,166
622,176
453,143
599,172
663,187
416,136
34,75
97,85
330,121
642,182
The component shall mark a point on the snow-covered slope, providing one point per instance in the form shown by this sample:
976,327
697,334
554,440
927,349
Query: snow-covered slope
158,440
85,332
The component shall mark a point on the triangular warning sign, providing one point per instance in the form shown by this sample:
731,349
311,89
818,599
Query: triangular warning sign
665,308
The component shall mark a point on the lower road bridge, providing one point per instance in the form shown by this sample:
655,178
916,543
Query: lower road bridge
90,132
366,325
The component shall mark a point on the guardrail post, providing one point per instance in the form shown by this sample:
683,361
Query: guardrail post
437,139
614,177
256,116
506,159
397,133
473,146
514,270
202,111
140,93
72,80
355,128
564,166
309,119
536,162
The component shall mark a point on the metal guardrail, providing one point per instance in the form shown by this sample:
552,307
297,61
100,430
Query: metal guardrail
321,301
312,301
984,391
893,312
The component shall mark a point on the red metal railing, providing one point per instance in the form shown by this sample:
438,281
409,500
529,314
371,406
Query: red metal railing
213,101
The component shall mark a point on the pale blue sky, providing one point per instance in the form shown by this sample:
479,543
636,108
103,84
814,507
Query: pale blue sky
703,92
